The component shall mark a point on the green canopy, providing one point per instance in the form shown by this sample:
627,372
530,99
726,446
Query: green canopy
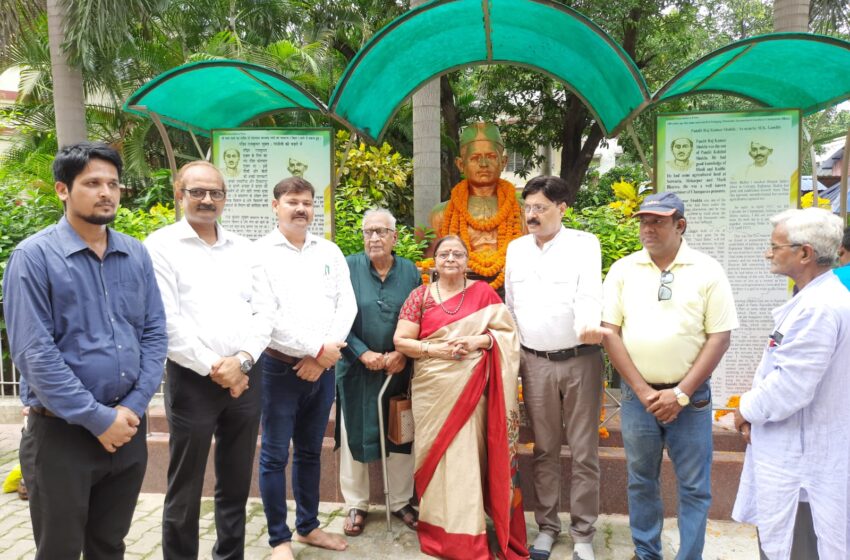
202,96
782,70
447,34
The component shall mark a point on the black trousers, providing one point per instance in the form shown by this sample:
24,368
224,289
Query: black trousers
804,545
81,497
198,409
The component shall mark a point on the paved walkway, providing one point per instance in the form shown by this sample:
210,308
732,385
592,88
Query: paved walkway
724,540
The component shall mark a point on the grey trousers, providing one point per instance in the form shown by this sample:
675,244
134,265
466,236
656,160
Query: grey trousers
804,546
563,401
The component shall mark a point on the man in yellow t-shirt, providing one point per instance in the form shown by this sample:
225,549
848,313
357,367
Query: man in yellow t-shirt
671,314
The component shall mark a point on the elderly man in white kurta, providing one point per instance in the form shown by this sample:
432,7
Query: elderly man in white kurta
796,481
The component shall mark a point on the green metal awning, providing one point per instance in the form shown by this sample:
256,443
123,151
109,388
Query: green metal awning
202,96
782,70
444,35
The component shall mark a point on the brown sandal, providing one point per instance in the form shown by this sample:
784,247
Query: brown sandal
351,527
408,516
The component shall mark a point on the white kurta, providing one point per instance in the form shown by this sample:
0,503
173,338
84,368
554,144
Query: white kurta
800,431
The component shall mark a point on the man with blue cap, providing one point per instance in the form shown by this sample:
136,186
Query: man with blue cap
671,313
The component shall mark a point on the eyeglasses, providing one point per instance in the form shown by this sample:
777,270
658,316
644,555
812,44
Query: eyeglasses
536,208
665,292
457,255
200,194
379,231
774,247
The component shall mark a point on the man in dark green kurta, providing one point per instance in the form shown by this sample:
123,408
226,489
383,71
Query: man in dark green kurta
382,281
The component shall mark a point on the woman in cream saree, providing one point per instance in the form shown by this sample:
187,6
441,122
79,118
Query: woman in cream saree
465,411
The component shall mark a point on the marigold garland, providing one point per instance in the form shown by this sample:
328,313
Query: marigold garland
457,220
603,431
733,402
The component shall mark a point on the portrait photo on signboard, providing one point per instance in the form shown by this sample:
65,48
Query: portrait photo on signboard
760,160
681,155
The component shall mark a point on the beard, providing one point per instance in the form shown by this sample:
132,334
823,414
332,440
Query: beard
99,219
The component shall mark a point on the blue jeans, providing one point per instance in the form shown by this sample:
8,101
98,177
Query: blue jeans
689,446
293,410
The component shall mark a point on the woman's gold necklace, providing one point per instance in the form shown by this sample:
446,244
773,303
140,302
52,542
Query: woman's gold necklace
459,305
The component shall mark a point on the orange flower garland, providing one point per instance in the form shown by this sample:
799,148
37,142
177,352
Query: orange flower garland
457,220
603,431
733,402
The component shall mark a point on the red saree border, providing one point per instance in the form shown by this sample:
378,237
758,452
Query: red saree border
436,541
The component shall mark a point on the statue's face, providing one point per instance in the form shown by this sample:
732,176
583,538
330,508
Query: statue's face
482,163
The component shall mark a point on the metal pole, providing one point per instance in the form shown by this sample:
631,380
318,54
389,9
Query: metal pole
384,450
845,165
630,130
169,153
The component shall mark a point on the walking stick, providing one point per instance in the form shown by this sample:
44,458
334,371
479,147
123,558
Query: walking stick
384,450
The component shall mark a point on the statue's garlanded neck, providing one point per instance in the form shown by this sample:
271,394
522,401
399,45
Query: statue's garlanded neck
483,190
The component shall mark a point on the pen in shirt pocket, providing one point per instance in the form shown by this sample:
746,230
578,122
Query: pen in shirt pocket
327,270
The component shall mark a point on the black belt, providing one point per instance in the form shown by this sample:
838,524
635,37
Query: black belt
566,354
662,386
281,357
41,411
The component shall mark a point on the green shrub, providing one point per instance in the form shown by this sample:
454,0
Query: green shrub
618,235
373,177
141,223
379,177
597,189
23,213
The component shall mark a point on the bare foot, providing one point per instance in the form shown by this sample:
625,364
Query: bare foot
319,538
282,551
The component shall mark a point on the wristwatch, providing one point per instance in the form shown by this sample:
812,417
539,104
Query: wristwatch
246,362
681,398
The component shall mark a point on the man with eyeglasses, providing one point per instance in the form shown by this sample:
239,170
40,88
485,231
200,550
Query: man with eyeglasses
670,311
314,307
218,309
553,287
382,281
87,332
795,485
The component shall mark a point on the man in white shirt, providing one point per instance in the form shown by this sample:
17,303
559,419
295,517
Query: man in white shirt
315,308
218,322
553,287
795,486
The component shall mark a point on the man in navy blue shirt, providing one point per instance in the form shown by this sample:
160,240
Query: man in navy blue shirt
87,331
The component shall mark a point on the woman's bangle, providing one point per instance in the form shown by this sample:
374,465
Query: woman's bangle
427,349
492,340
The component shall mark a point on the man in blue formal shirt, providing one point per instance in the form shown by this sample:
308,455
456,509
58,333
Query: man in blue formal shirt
87,331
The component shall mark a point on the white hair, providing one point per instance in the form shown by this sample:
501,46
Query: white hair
384,212
813,226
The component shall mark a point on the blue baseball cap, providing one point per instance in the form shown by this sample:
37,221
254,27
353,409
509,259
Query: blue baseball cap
661,204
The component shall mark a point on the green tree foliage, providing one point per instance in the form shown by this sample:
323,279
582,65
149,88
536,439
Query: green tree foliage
597,190
140,223
618,235
372,177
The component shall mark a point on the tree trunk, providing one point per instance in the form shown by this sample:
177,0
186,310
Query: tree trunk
68,97
426,148
791,15
451,119
575,154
